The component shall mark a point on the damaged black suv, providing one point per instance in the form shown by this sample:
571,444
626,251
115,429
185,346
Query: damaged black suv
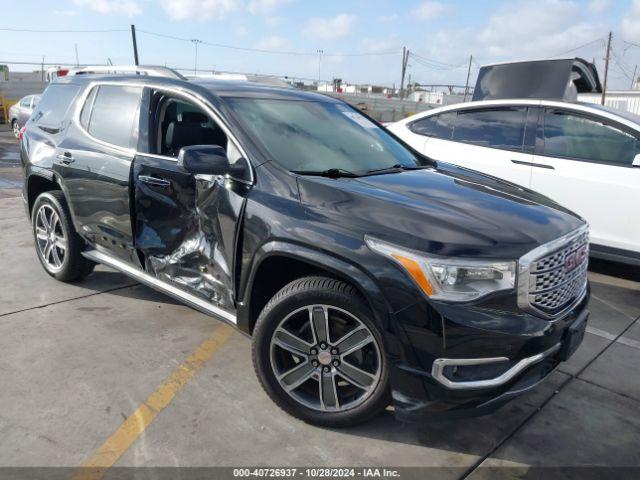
365,272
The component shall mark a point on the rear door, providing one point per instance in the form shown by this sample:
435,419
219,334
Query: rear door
494,140
584,162
94,161
186,226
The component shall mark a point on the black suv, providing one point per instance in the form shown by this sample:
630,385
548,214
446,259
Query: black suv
364,271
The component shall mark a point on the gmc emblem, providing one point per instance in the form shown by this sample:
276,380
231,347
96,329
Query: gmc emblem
575,258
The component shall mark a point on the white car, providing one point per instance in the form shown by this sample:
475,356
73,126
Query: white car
583,156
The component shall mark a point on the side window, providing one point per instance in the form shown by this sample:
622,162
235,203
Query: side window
497,128
438,126
424,126
25,102
115,115
583,138
178,123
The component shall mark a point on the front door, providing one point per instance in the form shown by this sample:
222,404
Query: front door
585,164
497,141
186,226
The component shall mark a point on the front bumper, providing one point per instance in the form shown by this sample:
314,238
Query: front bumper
432,393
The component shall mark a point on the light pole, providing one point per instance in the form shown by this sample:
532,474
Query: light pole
320,52
195,42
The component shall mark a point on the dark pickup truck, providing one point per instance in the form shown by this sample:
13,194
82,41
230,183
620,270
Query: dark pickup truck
364,272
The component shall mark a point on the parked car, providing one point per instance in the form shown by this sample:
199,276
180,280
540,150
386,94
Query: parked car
583,156
20,112
364,271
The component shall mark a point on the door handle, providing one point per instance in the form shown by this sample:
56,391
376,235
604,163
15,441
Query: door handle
65,158
531,164
157,182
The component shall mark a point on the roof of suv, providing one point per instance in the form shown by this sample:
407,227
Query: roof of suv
219,88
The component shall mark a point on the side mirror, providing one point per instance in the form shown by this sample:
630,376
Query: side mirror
636,161
208,160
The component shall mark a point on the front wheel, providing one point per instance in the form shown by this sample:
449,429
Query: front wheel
318,354
58,245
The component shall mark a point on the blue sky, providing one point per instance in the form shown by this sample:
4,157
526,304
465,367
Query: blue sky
443,34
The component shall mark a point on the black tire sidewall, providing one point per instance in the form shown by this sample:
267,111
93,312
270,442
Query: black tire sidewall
270,318
74,265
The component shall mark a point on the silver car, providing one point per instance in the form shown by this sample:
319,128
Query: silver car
21,111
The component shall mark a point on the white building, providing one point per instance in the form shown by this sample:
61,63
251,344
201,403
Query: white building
625,100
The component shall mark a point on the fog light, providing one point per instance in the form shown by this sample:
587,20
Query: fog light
470,373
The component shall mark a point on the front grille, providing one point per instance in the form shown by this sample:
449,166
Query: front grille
558,279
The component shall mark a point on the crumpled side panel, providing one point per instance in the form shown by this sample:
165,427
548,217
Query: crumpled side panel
202,263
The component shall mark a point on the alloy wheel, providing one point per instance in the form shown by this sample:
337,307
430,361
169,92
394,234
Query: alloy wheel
325,358
50,237
16,128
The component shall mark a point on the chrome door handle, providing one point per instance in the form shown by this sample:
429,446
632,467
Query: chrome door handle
65,158
531,164
157,182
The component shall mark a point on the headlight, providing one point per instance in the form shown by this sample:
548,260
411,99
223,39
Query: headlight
449,279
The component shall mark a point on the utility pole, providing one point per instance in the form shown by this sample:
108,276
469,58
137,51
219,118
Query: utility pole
135,44
320,52
196,42
77,60
466,87
42,69
405,61
633,77
606,69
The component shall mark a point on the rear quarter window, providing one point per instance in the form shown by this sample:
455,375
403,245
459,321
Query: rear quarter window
52,108
438,126
113,116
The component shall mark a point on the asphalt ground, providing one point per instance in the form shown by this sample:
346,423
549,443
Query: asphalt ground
109,374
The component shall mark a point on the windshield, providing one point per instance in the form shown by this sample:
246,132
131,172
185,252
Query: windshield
310,136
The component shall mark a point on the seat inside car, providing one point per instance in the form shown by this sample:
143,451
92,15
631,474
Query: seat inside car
192,128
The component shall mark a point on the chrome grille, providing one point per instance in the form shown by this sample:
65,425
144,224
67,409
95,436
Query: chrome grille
549,282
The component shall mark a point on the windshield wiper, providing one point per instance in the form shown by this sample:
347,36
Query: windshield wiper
396,168
331,173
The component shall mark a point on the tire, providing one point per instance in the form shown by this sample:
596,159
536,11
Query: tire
15,127
58,246
296,308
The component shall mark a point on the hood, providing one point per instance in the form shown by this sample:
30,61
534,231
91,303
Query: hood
560,79
446,210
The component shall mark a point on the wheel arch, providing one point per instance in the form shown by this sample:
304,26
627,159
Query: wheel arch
38,184
282,262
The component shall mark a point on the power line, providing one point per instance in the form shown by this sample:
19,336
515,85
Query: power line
262,50
29,30
601,40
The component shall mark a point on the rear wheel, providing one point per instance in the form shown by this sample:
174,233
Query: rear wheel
15,127
318,354
58,245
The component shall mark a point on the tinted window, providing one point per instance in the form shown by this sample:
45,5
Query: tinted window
53,105
439,126
497,128
423,126
114,117
575,136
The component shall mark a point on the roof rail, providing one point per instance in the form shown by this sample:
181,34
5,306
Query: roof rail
151,70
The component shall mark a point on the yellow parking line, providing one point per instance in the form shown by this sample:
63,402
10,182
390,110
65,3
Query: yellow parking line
118,443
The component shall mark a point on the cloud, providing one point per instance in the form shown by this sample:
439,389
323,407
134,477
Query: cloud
598,6
129,8
428,10
66,13
273,43
330,28
263,6
392,17
631,23
275,21
198,9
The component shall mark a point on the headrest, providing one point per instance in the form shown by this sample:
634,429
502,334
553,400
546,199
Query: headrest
180,134
194,117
